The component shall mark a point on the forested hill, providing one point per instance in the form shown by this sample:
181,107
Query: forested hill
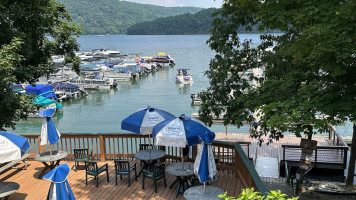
184,24
114,16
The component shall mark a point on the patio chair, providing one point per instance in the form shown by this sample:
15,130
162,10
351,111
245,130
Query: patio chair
92,169
157,173
123,167
81,155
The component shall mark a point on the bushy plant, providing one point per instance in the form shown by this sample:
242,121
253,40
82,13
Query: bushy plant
250,194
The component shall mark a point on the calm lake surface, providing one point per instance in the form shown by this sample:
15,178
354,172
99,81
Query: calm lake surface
103,111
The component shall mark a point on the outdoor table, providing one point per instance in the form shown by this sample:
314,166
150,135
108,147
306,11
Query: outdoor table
8,188
197,193
148,155
53,158
181,173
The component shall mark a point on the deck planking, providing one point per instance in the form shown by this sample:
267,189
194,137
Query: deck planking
32,188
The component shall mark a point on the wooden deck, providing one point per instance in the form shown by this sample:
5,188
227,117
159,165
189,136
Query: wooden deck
32,188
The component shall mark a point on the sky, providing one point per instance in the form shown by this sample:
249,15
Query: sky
181,3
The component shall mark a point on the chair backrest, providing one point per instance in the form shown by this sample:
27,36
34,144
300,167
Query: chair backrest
80,153
145,146
122,165
91,166
159,168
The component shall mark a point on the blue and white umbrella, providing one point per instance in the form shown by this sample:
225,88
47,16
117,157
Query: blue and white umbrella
49,133
59,189
12,146
143,121
204,165
181,131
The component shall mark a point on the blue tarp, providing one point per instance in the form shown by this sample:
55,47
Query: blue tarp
39,89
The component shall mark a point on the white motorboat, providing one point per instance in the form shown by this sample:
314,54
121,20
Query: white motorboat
85,56
183,76
102,53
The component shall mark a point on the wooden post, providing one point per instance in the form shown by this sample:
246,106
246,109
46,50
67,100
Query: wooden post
102,148
236,165
163,148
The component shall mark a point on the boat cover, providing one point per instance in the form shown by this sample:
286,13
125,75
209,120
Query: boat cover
39,89
60,85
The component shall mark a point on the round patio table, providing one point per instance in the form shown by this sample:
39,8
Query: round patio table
8,188
148,155
53,158
181,174
197,193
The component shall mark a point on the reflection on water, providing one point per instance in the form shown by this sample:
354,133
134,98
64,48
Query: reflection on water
184,88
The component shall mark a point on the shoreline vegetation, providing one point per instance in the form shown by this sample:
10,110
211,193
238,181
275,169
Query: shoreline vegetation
108,17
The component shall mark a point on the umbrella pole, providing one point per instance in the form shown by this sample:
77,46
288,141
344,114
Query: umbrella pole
181,152
204,188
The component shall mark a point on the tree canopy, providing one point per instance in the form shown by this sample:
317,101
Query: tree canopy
26,50
308,80
114,17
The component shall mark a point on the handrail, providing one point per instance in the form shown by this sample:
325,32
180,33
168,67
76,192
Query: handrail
333,133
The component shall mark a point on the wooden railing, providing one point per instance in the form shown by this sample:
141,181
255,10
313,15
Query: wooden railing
335,137
228,156
335,155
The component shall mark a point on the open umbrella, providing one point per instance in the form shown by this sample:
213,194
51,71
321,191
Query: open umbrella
204,165
143,120
59,189
181,131
12,146
49,133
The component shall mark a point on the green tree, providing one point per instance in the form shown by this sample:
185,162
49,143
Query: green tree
26,50
250,194
307,75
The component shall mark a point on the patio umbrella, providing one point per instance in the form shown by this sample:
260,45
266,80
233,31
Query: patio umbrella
181,131
59,189
204,165
143,120
49,133
12,146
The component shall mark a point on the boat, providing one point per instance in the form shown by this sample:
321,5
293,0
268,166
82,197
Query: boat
103,53
195,98
45,96
85,56
67,90
183,76
163,58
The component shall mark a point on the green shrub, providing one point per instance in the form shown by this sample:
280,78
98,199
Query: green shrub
250,194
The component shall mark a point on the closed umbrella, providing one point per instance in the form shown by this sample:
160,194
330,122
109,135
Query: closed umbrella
12,146
204,165
181,131
49,133
143,120
59,189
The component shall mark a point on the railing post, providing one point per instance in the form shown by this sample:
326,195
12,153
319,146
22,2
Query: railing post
345,157
41,148
236,161
316,156
102,148
163,148
284,153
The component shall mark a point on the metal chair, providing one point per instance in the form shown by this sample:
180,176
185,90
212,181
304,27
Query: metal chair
157,173
81,155
92,169
123,167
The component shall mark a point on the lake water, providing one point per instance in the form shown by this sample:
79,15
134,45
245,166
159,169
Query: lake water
103,111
